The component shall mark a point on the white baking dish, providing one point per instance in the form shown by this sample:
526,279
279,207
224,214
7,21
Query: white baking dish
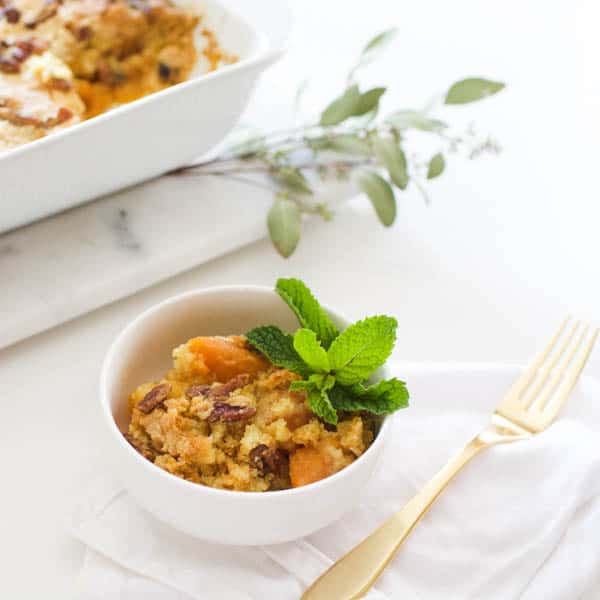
152,135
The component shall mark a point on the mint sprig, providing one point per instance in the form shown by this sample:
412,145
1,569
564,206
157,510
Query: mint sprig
307,309
278,347
334,366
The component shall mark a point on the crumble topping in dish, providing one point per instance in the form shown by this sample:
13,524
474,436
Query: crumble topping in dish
62,61
225,417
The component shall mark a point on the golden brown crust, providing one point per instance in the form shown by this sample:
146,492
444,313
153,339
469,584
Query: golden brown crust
250,433
107,52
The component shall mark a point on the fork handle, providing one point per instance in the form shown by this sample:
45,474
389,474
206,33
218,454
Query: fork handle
354,574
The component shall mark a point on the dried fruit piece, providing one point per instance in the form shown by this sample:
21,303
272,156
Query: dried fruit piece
227,358
308,465
228,412
157,395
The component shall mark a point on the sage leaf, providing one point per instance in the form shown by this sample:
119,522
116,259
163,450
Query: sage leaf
413,119
368,102
348,143
391,156
436,166
341,108
376,45
292,178
380,194
284,223
471,90
351,104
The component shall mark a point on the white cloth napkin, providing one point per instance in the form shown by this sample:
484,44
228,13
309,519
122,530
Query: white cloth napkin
522,520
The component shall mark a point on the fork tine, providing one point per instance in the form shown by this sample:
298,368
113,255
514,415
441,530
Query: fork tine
573,377
529,396
526,377
557,376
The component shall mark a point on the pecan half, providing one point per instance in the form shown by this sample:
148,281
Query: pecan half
269,460
223,390
157,395
198,389
228,412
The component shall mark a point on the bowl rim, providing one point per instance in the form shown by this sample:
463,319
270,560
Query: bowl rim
109,420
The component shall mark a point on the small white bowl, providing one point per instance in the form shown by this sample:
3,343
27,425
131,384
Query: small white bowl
142,352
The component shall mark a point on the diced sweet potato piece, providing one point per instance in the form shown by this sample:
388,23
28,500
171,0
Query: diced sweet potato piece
226,358
308,465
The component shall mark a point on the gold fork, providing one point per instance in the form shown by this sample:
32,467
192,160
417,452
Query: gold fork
530,406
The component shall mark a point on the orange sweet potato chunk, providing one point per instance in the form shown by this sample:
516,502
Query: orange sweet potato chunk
227,358
308,465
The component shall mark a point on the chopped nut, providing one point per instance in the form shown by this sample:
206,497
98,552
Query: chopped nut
223,390
269,460
48,11
227,412
200,389
62,85
11,14
156,396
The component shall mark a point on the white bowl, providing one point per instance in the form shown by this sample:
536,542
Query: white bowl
152,135
142,352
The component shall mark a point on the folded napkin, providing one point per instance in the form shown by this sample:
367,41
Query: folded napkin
521,521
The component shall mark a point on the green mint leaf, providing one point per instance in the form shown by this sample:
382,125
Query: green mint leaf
379,192
310,350
319,402
284,222
341,108
278,347
391,156
302,386
413,119
471,90
436,166
382,398
308,310
362,348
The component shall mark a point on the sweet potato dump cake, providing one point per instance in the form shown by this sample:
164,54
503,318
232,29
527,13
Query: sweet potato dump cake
62,61
224,416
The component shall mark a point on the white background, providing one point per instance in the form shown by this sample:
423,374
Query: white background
507,246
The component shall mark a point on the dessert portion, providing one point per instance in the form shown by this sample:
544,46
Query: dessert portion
62,61
224,416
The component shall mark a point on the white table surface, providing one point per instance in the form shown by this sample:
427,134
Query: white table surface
507,246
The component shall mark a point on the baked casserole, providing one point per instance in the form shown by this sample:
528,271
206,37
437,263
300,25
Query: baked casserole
64,61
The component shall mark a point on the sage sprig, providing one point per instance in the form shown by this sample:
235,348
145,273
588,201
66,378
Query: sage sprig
349,140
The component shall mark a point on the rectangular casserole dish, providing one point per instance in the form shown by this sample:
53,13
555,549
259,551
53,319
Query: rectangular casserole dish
149,136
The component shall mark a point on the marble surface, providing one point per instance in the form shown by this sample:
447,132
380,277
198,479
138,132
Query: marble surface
64,266
506,247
